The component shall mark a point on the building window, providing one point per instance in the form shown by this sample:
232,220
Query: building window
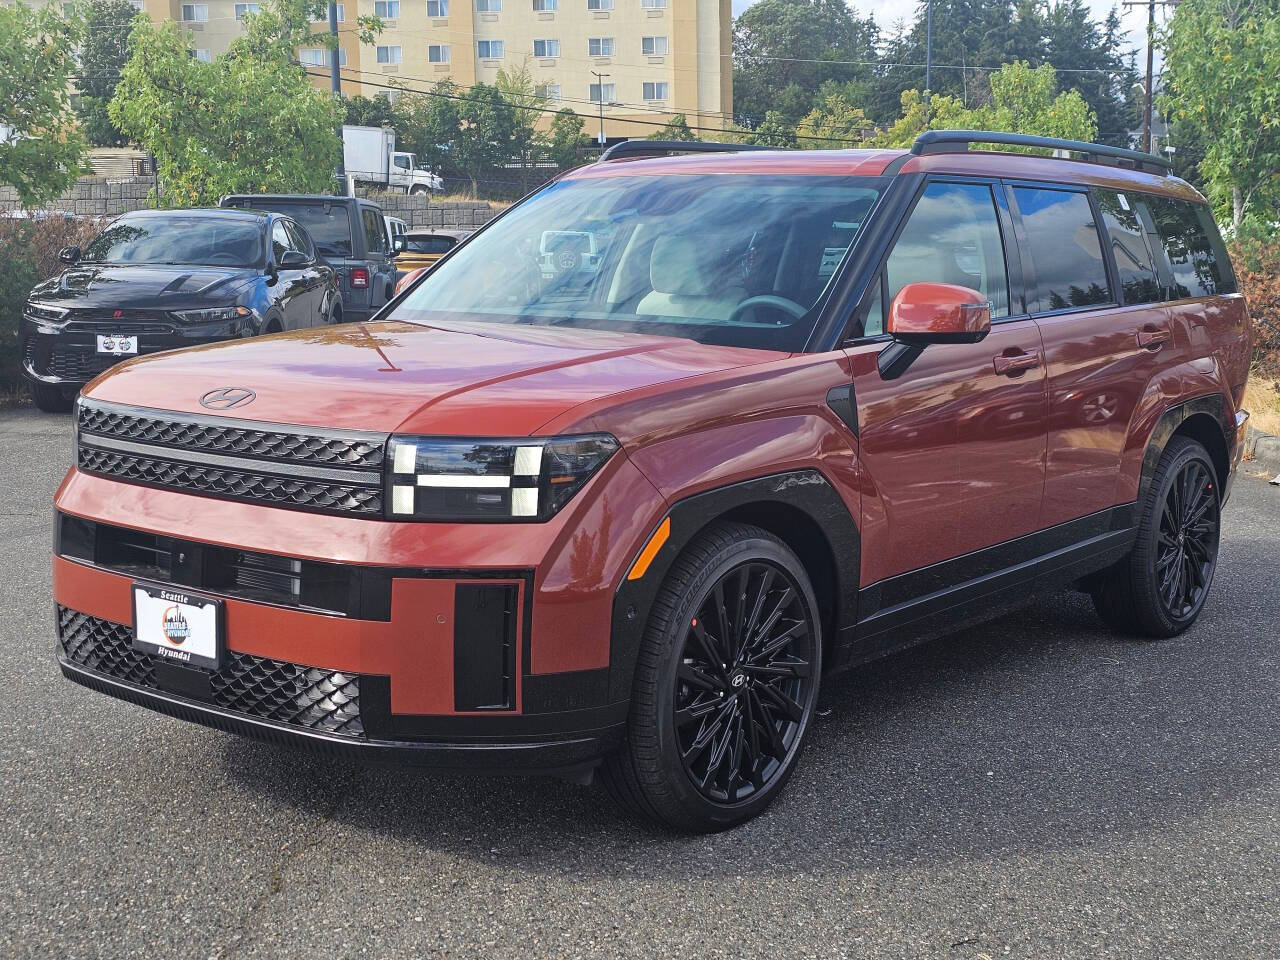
389,94
324,18
655,91
244,9
654,4
549,91
389,55
546,48
137,5
653,46
607,91
489,49
203,54
387,9
488,6
437,8
544,6
321,57
195,13
438,53
600,47
599,4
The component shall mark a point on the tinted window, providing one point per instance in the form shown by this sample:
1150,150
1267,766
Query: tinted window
1199,270
375,230
1064,248
953,236
279,240
298,238
1131,247
179,239
430,244
327,223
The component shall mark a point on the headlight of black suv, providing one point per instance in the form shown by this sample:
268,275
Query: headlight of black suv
212,314
40,311
527,479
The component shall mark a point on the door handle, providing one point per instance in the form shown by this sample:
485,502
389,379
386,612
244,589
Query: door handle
1007,365
1152,338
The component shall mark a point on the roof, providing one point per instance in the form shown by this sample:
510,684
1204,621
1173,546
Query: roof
297,198
228,212
431,232
874,163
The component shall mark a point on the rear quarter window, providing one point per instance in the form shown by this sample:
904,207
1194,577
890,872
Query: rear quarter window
1066,253
1193,247
1130,248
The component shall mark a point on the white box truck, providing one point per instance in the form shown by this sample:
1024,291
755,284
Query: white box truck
369,155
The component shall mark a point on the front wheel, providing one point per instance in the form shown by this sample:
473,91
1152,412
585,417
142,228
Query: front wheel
1161,587
726,684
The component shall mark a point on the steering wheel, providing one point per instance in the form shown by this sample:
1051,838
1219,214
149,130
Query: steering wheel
768,300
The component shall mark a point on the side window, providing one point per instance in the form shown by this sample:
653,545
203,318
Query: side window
1065,249
873,322
375,230
1198,268
279,240
298,239
953,236
402,162
1131,247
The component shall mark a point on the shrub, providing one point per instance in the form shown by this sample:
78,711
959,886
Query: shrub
1257,263
29,253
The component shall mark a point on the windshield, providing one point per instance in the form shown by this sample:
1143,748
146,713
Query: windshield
724,259
209,240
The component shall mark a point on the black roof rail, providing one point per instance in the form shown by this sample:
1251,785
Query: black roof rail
629,148
957,141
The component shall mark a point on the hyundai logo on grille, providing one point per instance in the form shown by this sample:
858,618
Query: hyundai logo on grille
224,398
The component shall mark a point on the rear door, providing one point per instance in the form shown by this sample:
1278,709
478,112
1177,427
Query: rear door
953,449
313,275
291,292
1105,331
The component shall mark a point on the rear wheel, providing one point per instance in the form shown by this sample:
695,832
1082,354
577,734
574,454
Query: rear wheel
1161,587
725,686
51,398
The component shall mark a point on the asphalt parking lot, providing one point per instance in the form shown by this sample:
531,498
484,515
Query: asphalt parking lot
1031,788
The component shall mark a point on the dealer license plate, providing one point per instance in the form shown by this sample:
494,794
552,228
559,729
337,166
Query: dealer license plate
117,346
179,626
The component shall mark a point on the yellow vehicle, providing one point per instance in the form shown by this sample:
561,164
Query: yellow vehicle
422,248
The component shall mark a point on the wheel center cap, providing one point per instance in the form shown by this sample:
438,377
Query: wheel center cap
738,680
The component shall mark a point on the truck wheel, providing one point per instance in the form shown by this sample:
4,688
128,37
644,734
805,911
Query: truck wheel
1160,588
417,189
725,687
50,398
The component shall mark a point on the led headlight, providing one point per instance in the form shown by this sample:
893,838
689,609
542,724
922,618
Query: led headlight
40,311
434,478
212,314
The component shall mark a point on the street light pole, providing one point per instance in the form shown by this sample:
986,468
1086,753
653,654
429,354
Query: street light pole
928,47
600,88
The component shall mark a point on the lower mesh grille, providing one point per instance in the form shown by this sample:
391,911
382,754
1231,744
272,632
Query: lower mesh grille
311,698
69,364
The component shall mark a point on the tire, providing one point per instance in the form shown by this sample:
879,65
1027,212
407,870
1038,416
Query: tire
689,760
50,398
417,190
1160,588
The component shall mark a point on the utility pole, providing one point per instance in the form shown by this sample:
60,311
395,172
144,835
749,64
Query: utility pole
600,86
335,84
1147,142
928,62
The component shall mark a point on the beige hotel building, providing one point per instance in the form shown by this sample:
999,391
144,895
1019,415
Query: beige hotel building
658,57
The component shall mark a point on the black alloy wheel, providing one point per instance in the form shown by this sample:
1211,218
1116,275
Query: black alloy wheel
1187,541
742,682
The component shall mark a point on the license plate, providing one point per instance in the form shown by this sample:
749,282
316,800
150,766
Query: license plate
179,626
117,346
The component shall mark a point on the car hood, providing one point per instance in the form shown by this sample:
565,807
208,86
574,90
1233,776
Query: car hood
455,379
156,287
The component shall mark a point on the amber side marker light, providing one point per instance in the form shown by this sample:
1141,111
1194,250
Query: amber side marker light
650,550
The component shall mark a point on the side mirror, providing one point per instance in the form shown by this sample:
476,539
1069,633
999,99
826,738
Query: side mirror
925,313
400,244
294,260
69,254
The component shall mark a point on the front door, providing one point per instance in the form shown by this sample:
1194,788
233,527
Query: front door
952,451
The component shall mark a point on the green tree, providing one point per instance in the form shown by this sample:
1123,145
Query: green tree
1222,81
773,131
833,124
432,127
102,57
527,103
677,128
485,142
370,112
784,50
565,138
250,121
42,150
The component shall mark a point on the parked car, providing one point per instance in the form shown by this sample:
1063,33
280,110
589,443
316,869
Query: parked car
396,229
422,248
634,525
156,280
352,237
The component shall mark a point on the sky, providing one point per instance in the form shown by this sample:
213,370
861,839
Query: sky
887,11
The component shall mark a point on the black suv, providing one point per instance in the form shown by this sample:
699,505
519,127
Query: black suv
350,233
160,279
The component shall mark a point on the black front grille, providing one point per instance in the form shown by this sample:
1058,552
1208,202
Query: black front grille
70,363
300,468
235,484
312,698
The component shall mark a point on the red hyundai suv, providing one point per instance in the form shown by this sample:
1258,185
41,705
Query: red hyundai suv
799,410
